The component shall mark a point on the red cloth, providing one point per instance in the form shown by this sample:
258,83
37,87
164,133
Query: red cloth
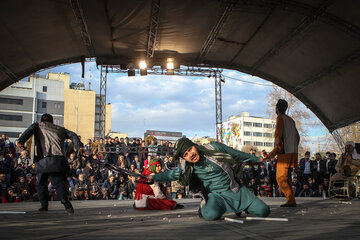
145,196
3,199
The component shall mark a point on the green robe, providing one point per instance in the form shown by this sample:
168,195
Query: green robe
216,176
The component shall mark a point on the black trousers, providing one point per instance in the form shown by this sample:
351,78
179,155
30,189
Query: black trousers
58,180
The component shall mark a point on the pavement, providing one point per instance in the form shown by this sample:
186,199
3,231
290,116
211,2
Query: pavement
313,218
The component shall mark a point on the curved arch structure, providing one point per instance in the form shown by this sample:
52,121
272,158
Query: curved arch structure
310,48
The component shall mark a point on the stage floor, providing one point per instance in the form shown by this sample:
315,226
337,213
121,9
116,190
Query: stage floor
314,218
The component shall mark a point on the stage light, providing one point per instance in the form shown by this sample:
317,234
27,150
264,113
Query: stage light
143,68
170,66
142,64
170,63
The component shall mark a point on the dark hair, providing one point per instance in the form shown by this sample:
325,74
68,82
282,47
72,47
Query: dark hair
282,105
47,118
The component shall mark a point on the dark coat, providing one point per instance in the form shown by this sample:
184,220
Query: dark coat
49,142
302,166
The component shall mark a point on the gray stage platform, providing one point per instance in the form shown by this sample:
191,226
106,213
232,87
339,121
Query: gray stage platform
313,219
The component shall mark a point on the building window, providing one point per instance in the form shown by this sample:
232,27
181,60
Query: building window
268,135
267,125
44,88
268,144
257,134
274,125
248,124
247,133
11,117
257,124
247,143
57,105
258,144
12,101
43,104
97,126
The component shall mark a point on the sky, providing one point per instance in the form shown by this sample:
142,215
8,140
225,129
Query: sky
177,103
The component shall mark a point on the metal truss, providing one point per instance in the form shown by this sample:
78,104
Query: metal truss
328,70
303,26
80,19
197,71
153,28
216,29
103,80
338,139
12,76
305,9
218,105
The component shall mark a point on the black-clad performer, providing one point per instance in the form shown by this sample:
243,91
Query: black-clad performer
50,160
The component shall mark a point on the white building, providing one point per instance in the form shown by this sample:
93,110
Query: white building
239,131
25,102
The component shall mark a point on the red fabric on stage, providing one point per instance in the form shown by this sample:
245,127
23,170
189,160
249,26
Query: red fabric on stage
145,195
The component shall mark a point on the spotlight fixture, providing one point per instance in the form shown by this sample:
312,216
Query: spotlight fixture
170,66
143,68
142,64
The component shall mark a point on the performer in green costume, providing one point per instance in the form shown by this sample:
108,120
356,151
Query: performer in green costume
211,171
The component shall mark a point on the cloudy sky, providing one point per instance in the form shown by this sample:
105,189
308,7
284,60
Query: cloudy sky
176,103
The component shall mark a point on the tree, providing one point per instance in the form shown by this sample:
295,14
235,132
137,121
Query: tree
350,133
296,110
148,140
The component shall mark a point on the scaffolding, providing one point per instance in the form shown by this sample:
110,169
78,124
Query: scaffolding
185,71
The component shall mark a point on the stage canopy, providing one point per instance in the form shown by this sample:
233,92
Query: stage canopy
310,48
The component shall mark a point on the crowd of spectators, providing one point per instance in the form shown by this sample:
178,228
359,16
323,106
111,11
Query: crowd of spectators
90,180
311,179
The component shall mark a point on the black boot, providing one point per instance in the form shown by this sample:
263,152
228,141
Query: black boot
43,209
288,205
67,205
179,206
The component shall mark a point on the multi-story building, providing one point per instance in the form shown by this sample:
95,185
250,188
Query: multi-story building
71,105
24,102
203,140
98,115
246,130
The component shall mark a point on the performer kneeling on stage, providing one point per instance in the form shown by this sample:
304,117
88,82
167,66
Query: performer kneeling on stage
209,170
153,196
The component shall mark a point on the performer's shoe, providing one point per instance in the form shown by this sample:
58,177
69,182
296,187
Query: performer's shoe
288,205
179,206
43,209
67,205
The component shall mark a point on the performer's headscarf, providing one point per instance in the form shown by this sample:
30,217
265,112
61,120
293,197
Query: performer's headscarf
181,146
350,143
152,165
355,154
